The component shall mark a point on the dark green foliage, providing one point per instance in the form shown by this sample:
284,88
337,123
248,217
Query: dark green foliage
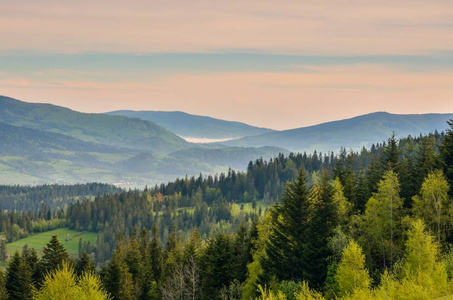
320,229
287,244
2,249
3,291
216,265
54,255
446,154
18,279
84,264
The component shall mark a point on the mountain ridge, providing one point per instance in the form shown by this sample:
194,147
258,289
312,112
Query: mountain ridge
352,133
195,126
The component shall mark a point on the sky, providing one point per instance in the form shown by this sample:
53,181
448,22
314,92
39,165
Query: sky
276,64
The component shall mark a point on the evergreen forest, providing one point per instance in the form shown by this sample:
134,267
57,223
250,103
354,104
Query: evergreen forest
370,224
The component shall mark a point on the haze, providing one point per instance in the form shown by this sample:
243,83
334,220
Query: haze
271,64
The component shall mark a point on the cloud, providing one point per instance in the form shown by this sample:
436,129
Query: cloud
337,27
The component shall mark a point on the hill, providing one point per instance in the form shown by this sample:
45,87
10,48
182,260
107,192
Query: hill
350,133
31,156
115,131
194,126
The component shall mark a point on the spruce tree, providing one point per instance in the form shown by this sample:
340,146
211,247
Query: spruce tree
319,231
3,291
155,255
19,278
287,244
446,154
84,264
54,255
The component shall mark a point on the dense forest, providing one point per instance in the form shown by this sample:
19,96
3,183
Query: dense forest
374,224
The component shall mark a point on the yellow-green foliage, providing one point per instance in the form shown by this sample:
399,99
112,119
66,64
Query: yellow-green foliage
432,206
267,294
351,273
343,206
307,294
62,284
254,268
422,276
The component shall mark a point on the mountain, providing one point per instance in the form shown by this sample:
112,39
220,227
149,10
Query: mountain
193,126
350,133
43,143
31,156
117,131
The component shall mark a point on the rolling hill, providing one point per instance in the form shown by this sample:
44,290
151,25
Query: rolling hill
115,131
194,126
351,133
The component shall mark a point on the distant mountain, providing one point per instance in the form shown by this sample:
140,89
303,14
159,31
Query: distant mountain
51,144
350,133
115,131
194,126
31,156
234,157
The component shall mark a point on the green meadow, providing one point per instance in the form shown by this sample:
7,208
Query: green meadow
39,240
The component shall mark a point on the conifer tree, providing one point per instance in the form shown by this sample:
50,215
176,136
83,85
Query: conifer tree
446,154
3,291
242,253
390,157
18,278
84,264
54,255
426,161
30,257
155,254
216,265
287,243
320,229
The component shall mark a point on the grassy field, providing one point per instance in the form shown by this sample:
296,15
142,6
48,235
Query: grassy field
39,240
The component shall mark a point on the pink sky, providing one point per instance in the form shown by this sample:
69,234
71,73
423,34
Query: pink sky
279,98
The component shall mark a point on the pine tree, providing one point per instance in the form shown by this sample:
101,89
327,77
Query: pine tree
216,265
320,229
54,255
287,243
30,256
390,157
84,264
155,254
426,161
446,154
19,278
2,248
3,291
242,253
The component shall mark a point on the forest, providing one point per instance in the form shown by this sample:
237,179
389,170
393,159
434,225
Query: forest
373,224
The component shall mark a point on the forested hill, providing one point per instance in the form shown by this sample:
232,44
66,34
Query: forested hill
116,131
187,125
350,133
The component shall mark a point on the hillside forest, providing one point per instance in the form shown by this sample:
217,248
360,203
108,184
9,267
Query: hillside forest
370,224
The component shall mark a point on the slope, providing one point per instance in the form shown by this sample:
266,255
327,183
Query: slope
351,133
194,126
100,128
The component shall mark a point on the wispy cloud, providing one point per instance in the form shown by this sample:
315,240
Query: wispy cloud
327,27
